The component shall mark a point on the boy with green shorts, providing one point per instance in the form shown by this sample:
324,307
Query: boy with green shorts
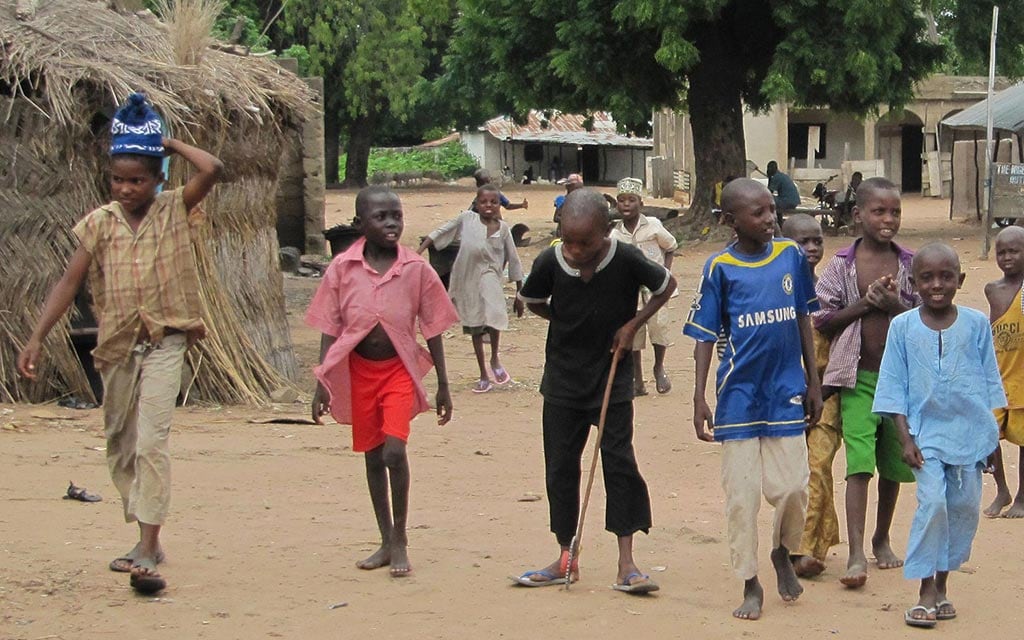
859,295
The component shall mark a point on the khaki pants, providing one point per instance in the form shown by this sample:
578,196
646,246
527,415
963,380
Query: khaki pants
656,326
138,399
776,467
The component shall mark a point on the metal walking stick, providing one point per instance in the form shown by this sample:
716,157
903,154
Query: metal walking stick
574,548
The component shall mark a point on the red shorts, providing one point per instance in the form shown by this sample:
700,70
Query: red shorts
383,394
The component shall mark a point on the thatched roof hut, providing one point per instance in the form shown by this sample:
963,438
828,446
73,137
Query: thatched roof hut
64,67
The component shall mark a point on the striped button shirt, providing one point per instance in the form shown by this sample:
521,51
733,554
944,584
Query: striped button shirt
143,282
837,289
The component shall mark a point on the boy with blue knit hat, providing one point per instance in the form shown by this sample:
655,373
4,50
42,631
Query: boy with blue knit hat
657,244
137,253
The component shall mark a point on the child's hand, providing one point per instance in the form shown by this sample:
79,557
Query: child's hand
444,405
884,295
812,408
519,307
28,358
526,204
622,343
321,403
168,145
912,455
703,420
990,462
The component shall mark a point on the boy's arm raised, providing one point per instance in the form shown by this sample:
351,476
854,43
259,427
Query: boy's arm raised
208,171
703,419
444,397
57,304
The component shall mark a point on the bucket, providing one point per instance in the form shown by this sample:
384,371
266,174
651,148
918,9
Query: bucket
341,237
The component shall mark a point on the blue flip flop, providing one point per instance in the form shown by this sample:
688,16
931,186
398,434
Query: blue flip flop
551,579
646,586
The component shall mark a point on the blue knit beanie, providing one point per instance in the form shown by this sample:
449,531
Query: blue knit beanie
137,129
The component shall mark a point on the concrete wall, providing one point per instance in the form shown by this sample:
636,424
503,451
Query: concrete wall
766,136
614,163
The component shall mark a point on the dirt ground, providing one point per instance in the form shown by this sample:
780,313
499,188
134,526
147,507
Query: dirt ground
268,519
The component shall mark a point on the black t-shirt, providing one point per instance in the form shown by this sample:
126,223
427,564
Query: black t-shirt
584,319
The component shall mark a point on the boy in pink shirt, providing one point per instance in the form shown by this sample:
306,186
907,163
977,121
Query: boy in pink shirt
372,367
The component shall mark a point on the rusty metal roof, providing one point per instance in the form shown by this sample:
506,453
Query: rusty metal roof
564,128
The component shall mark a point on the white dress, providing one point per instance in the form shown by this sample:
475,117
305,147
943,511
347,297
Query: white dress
476,287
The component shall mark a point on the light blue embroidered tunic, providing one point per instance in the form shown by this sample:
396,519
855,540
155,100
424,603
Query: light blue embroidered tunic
945,382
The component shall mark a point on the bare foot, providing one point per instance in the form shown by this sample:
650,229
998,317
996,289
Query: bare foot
856,574
380,558
662,383
789,587
1017,510
639,389
807,566
884,555
1001,501
400,566
753,599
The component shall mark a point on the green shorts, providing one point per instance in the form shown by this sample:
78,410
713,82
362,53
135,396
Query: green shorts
871,440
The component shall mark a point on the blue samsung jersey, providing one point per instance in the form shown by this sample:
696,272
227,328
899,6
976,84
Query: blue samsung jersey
756,300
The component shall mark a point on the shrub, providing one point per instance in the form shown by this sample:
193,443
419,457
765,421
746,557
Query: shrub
449,161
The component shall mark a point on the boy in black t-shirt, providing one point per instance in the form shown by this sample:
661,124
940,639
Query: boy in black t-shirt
587,287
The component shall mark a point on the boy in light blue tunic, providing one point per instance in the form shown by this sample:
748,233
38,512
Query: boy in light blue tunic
939,382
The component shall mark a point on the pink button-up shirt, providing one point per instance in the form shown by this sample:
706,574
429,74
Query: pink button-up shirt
353,299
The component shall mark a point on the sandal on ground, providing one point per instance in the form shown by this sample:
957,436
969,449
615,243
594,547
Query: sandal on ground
147,583
643,584
501,376
926,623
482,386
81,494
124,564
549,579
948,614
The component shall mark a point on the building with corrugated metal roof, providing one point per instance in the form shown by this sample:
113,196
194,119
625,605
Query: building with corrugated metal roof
551,145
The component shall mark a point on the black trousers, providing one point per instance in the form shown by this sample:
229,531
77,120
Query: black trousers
566,429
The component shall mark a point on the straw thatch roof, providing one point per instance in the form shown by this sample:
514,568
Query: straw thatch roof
64,67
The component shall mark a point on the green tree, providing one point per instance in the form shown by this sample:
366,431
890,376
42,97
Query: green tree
711,58
372,55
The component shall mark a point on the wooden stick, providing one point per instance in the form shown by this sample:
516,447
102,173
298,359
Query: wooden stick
574,548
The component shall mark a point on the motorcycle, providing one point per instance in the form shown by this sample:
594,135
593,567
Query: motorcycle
834,213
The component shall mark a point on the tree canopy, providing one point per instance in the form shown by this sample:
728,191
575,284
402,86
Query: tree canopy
711,58
372,56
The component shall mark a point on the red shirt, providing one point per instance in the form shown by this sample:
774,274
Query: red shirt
353,299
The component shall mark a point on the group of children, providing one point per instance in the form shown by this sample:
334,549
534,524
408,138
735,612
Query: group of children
873,353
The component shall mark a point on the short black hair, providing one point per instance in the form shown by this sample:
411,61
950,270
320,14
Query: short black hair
153,164
938,249
367,193
487,187
875,183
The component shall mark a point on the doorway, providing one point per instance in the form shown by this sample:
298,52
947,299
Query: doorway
911,148
590,164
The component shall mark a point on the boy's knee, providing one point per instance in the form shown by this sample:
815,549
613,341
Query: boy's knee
394,454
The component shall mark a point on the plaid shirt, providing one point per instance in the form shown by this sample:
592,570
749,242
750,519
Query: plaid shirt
143,282
837,289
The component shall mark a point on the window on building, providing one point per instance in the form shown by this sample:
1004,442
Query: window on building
533,152
798,140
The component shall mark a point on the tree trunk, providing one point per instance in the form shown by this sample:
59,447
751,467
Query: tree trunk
716,118
332,130
360,136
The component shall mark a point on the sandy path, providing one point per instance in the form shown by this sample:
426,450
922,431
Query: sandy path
269,519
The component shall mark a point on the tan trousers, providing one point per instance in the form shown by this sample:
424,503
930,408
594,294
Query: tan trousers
776,467
821,530
138,399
